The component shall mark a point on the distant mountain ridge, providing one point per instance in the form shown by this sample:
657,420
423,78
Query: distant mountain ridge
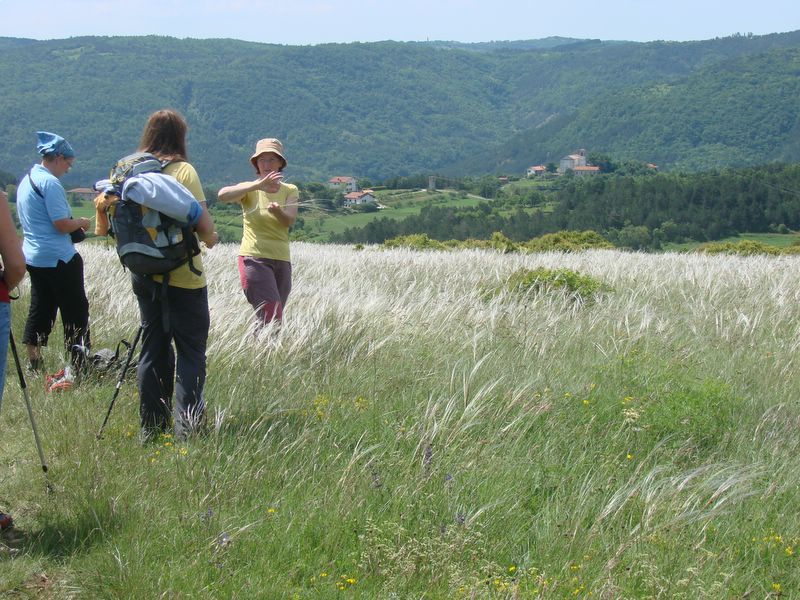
540,44
383,109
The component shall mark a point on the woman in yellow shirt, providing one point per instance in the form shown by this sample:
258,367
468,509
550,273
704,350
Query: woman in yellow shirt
269,209
184,319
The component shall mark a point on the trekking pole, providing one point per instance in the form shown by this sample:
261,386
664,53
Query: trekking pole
120,380
24,387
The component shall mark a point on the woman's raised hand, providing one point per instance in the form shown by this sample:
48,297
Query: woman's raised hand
271,182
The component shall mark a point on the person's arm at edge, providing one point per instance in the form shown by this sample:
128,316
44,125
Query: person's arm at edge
13,269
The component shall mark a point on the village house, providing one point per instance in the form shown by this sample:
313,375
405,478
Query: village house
354,198
587,170
535,171
572,161
85,194
343,184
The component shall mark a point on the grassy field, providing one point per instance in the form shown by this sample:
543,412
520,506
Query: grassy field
398,204
780,240
405,436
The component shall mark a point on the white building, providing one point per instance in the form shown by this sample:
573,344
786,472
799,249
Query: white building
354,198
343,184
535,171
572,160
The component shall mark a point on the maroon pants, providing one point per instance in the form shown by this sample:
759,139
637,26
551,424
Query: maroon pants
266,283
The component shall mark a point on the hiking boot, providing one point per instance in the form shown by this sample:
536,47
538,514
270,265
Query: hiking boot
152,435
35,365
5,521
59,382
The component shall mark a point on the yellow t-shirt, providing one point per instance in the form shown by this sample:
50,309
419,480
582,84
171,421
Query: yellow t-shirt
183,277
264,236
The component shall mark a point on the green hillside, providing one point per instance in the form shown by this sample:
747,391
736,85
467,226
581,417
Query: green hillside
741,111
385,109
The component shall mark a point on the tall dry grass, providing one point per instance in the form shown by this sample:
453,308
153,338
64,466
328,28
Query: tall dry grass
404,434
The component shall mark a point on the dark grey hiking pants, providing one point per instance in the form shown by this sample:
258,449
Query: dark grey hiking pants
159,363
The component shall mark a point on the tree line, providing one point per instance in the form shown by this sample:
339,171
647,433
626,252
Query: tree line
636,211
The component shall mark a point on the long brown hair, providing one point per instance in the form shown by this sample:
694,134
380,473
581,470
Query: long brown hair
165,135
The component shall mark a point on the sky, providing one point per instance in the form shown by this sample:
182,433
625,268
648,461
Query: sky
303,22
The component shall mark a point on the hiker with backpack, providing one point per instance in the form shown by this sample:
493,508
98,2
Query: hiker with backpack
269,209
178,313
12,270
55,267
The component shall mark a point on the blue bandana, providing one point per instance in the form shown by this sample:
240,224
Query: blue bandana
51,143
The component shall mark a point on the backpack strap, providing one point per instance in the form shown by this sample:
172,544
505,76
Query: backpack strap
194,269
192,249
120,344
34,187
159,292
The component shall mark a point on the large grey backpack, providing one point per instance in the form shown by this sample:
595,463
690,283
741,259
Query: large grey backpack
148,241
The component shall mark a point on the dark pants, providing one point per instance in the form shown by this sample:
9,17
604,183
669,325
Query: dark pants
55,289
266,283
188,330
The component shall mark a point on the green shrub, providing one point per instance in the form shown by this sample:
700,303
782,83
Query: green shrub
543,280
568,241
415,241
498,242
743,248
564,241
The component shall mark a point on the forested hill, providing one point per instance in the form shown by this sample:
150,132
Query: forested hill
386,109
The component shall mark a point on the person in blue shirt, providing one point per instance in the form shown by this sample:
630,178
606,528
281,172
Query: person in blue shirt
54,266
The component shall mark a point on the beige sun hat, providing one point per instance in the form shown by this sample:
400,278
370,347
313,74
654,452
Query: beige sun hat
268,145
